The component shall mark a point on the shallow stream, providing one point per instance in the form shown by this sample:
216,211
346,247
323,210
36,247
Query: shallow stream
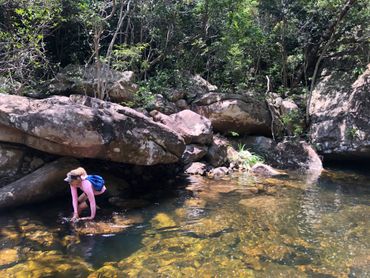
295,226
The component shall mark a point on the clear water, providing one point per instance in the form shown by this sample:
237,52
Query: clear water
243,226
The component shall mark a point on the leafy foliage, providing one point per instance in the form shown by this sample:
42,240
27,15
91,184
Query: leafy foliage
129,57
293,122
22,38
234,44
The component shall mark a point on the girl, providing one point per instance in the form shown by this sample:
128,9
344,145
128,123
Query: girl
77,179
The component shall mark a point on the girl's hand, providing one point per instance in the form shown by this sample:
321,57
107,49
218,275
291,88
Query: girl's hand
74,218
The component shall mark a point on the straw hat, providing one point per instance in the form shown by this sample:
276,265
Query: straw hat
78,172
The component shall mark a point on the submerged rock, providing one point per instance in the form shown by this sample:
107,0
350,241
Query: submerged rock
359,266
162,220
130,219
38,235
108,270
195,202
48,264
9,236
264,170
69,241
264,202
99,228
117,224
210,227
8,256
270,250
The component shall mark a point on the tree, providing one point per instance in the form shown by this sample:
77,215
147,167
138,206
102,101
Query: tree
25,25
326,41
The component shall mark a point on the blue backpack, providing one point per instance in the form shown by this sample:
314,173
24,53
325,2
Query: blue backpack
96,181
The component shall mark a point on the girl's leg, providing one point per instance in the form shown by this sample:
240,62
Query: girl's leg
82,198
82,207
82,203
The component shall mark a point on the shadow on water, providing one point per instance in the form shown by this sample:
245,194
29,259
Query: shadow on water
344,178
361,167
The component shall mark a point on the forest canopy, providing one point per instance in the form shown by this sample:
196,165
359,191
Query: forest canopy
234,44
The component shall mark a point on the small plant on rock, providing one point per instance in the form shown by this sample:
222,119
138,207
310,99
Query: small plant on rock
246,158
352,133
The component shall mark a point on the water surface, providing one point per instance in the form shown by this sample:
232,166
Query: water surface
242,226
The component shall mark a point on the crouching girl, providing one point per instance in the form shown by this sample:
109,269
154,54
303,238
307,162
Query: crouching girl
78,178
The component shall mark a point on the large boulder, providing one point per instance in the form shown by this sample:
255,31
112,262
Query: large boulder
161,104
289,155
123,87
199,81
196,86
193,153
44,183
296,155
217,153
193,127
340,115
84,127
234,113
75,79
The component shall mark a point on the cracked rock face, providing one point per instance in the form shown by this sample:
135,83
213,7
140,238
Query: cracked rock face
235,113
84,127
340,115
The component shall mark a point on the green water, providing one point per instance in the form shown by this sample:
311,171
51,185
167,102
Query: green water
243,226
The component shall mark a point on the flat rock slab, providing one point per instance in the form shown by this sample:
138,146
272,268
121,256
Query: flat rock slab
84,127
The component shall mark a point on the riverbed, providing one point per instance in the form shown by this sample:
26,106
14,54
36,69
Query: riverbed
240,226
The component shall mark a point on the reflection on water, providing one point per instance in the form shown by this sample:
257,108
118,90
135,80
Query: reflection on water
240,227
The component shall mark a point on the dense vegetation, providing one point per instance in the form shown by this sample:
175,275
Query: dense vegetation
234,44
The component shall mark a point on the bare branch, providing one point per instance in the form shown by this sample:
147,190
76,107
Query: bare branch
119,26
112,12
